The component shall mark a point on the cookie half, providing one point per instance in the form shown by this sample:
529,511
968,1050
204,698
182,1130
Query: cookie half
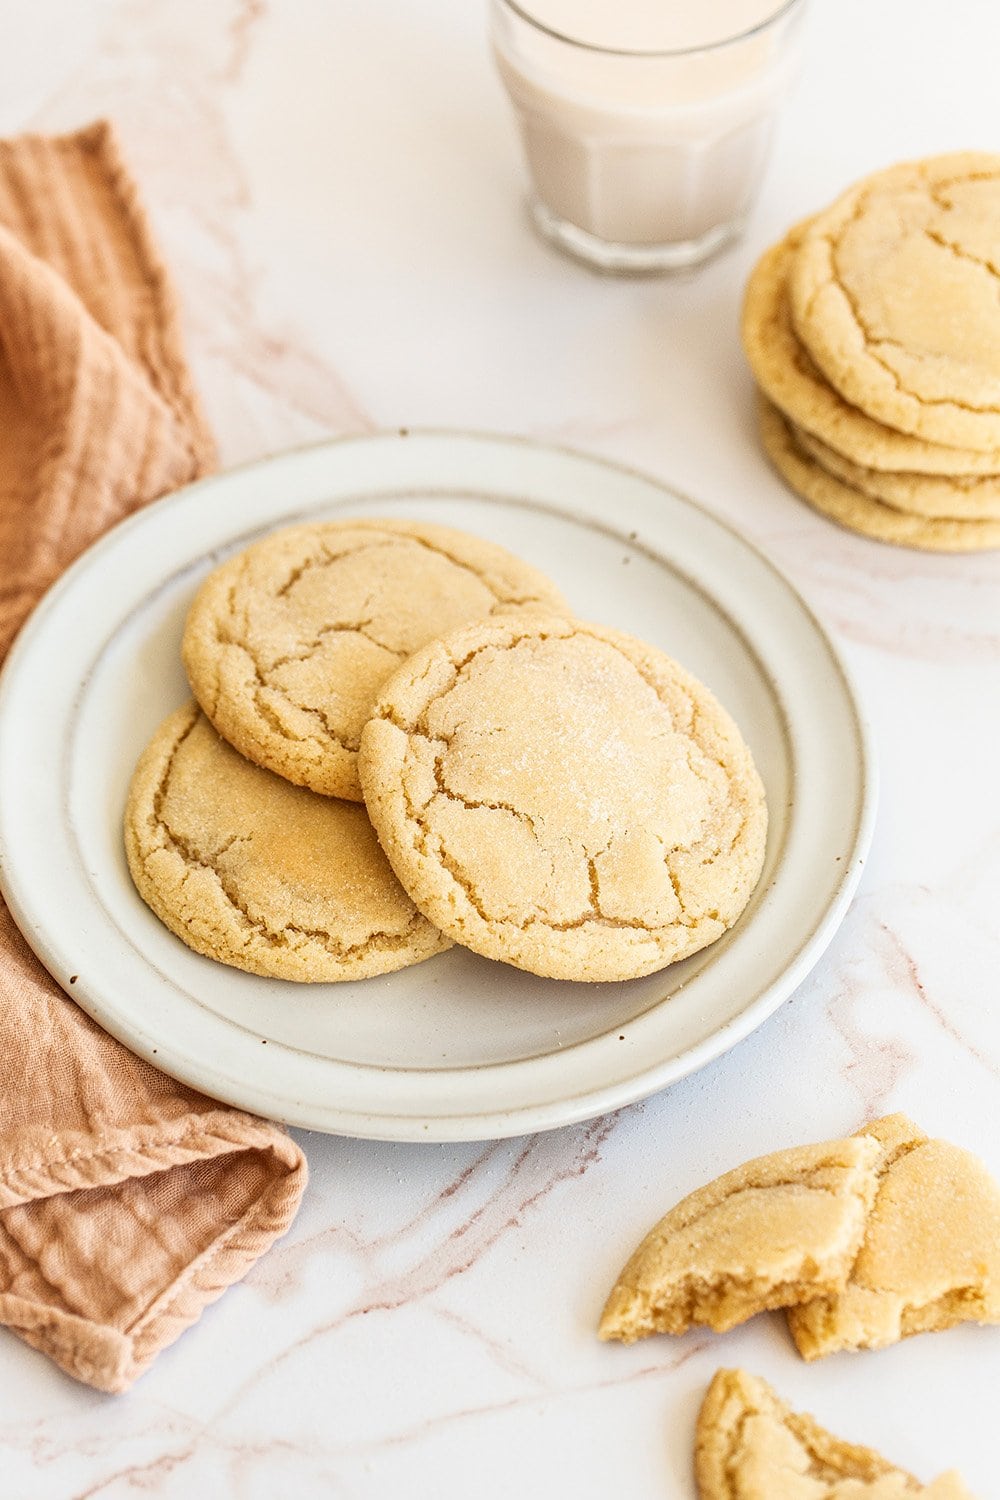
750,1446
564,797
930,1256
288,643
254,872
857,511
893,291
774,1232
791,380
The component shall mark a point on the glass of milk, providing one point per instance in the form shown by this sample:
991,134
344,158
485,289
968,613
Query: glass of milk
646,123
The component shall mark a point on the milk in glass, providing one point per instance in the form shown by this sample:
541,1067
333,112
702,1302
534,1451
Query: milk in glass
646,125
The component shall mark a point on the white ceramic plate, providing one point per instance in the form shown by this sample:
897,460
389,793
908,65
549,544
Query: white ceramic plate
458,1047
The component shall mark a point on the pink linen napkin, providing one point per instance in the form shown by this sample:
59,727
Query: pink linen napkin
127,1202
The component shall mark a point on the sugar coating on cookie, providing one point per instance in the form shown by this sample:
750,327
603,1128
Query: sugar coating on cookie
791,380
894,292
930,1255
956,497
254,872
288,643
750,1446
564,797
857,511
771,1233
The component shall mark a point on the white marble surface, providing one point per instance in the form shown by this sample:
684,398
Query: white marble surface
337,188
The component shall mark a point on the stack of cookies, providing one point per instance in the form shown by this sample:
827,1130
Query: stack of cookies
402,739
873,331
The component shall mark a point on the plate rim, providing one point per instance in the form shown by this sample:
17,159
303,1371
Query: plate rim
521,1118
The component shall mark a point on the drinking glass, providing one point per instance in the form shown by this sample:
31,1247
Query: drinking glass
646,126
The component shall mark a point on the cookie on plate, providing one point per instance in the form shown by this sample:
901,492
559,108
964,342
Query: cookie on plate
893,291
858,511
791,380
930,1255
750,1446
288,643
779,1230
254,872
563,797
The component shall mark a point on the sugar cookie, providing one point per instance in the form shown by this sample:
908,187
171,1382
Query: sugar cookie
288,643
894,292
254,872
563,797
790,379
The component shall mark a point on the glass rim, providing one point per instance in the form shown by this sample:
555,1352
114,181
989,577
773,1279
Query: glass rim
783,9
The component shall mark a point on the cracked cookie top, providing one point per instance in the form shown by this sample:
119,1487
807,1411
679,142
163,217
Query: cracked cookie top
254,872
792,380
894,292
288,643
563,797
750,1446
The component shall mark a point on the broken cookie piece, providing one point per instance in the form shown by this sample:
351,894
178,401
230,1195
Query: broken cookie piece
750,1446
930,1255
777,1231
